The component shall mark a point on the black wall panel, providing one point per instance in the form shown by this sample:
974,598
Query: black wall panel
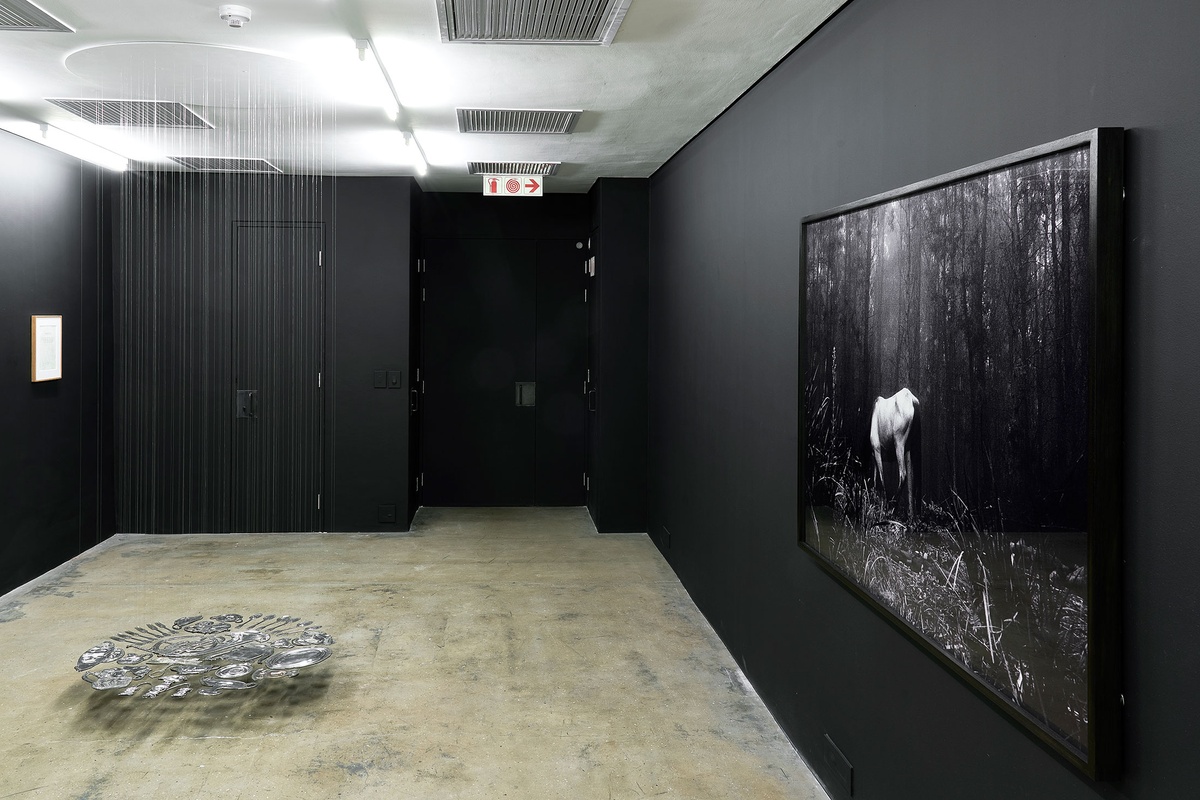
174,306
560,422
53,499
278,359
888,93
480,339
414,349
618,321
174,301
550,228
370,330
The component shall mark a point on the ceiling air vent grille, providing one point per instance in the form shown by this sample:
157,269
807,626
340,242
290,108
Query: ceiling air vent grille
207,164
513,167
19,15
531,21
132,113
504,120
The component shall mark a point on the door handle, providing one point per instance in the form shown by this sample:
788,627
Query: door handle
247,403
526,394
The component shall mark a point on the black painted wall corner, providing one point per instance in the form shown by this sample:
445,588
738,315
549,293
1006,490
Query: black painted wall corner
618,322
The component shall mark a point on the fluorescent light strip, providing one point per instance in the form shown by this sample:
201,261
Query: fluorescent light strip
68,143
81,148
419,162
388,102
393,108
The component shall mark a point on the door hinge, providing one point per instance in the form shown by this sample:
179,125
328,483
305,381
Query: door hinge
422,480
320,258
585,295
318,501
417,484
422,294
318,380
587,482
592,266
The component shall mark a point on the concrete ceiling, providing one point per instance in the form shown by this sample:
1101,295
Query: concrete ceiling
290,87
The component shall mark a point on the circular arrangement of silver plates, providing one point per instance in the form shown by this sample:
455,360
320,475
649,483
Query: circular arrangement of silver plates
212,655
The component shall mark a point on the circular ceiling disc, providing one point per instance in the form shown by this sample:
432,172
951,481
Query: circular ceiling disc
196,74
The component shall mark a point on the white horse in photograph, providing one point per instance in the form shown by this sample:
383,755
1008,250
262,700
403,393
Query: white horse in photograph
895,433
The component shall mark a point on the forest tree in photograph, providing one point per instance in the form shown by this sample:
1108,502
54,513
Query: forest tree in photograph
945,420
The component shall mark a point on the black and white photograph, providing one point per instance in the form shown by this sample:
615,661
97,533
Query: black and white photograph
945,420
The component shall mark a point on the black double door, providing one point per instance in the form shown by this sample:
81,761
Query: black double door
278,324
504,421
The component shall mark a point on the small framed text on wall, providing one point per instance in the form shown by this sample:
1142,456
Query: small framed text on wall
46,347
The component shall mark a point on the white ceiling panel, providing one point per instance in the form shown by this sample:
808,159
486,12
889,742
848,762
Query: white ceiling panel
290,87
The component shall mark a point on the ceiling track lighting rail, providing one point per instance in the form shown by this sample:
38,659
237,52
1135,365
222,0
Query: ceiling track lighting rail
421,164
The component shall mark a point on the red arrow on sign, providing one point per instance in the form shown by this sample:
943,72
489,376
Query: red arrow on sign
532,185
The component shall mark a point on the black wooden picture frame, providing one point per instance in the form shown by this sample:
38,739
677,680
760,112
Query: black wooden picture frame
976,503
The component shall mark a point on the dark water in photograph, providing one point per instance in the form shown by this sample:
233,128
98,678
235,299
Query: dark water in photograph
1011,608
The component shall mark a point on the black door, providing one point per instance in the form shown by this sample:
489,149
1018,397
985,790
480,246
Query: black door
415,403
560,457
277,361
593,366
504,348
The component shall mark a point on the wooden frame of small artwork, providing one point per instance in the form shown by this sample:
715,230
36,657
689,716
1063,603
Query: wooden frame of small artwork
45,335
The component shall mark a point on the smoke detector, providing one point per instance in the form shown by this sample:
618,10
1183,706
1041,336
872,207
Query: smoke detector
236,16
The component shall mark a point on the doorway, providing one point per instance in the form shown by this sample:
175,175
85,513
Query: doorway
503,367
278,345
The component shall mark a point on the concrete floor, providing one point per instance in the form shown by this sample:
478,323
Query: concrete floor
490,653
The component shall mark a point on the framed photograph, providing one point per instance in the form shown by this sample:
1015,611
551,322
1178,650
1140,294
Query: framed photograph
46,339
960,427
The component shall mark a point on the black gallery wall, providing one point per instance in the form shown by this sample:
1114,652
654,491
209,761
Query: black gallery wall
175,287
617,320
890,92
141,435
614,218
372,252
53,501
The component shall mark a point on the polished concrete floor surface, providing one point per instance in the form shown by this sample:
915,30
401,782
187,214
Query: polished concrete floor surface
489,653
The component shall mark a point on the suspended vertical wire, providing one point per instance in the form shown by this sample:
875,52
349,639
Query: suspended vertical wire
202,307
327,285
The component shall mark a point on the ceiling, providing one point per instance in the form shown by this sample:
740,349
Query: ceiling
290,86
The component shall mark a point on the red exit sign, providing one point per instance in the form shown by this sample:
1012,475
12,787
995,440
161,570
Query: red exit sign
512,185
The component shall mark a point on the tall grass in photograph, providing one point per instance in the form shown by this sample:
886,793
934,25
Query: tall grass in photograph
1009,607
